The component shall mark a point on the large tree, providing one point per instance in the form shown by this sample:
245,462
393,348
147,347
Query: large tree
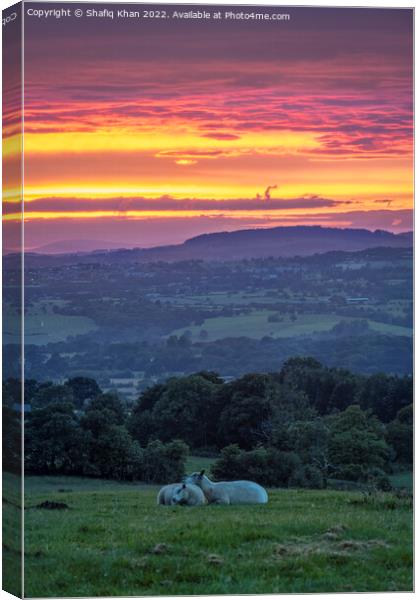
257,408
185,407
399,434
54,441
84,389
109,402
357,446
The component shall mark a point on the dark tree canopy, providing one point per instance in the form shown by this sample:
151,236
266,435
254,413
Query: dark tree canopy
322,422
83,388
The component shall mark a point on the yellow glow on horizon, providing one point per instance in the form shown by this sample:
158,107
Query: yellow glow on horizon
180,140
12,195
209,191
12,145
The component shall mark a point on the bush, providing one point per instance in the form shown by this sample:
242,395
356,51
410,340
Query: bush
162,463
282,465
228,465
382,483
350,472
307,476
267,466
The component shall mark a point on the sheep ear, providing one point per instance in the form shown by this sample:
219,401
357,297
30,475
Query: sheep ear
202,472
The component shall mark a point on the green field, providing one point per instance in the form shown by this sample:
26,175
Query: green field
12,534
114,540
402,480
390,329
220,299
196,463
43,326
256,325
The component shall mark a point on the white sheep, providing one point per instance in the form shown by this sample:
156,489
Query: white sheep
229,492
181,493
189,494
165,494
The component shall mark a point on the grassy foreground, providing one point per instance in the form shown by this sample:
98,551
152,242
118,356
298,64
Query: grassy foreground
114,540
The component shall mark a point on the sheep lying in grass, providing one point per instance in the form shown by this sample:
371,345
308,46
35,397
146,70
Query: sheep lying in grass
181,493
229,492
165,494
189,494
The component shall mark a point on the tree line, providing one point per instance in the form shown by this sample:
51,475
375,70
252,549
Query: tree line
300,426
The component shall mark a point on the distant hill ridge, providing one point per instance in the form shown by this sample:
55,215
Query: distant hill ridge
281,235
294,241
246,243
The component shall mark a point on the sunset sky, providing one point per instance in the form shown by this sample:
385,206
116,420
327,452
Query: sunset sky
145,132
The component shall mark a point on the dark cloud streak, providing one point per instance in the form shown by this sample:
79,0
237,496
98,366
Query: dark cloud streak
166,203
